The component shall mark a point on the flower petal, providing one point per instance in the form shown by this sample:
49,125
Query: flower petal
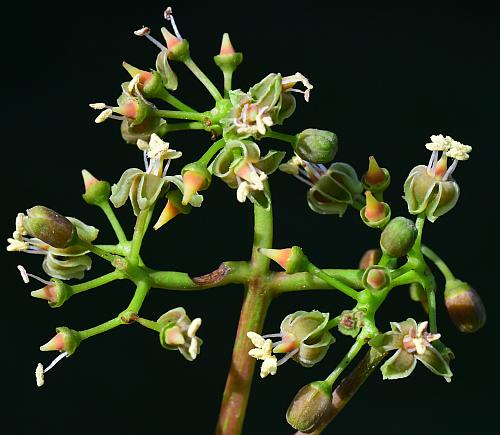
433,360
400,365
386,342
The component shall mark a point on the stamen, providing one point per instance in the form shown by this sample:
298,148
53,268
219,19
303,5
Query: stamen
279,334
298,177
170,17
313,169
55,361
26,276
450,170
287,356
144,31
98,106
165,169
39,375
146,164
432,160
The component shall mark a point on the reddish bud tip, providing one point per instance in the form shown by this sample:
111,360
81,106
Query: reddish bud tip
168,213
376,278
442,166
173,336
55,343
226,48
88,179
193,182
374,209
48,293
171,39
374,175
281,256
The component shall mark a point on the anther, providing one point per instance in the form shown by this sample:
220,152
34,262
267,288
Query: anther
170,17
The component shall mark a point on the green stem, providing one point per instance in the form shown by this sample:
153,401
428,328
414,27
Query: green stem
216,146
353,351
333,282
228,78
121,249
97,282
138,299
150,324
141,225
420,228
179,114
440,264
281,136
333,323
99,329
407,278
115,224
281,282
173,101
253,313
182,126
431,301
200,75
98,251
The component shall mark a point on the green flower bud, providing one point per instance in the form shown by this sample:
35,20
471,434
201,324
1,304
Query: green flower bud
135,108
465,307
316,146
376,179
398,237
428,193
334,190
149,83
307,332
311,407
96,191
376,278
49,226
55,293
196,177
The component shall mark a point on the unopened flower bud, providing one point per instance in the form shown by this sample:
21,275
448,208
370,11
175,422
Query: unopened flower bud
292,259
149,82
311,407
369,258
96,191
228,59
351,322
56,293
135,108
376,179
172,209
376,278
398,237
375,214
465,307
178,49
195,177
316,146
66,340
49,226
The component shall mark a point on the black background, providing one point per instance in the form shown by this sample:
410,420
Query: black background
385,80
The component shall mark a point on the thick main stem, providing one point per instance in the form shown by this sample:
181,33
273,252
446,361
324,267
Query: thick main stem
253,313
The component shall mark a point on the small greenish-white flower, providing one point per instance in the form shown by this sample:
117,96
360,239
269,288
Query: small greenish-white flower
178,332
412,343
263,351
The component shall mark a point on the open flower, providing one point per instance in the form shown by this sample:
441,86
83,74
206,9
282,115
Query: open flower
178,332
413,343
304,337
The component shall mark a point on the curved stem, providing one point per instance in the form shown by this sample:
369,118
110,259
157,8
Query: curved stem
281,282
99,329
173,101
353,351
200,75
181,126
333,282
97,282
141,225
440,264
140,294
115,224
179,114
281,136
216,146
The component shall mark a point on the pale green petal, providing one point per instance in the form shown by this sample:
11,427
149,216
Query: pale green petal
120,191
387,342
400,365
434,361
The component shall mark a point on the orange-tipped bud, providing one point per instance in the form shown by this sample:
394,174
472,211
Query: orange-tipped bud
374,175
48,293
280,256
376,278
55,343
226,46
178,49
193,182
369,258
169,212
292,259
96,191
170,39
88,179
144,76
374,210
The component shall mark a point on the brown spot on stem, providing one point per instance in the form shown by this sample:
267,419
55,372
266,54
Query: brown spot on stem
213,277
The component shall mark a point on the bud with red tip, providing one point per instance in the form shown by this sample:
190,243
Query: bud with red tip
178,49
292,259
55,293
311,407
196,177
369,258
376,278
228,59
150,83
465,307
66,340
376,179
375,214
96,191
172,209
49,226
